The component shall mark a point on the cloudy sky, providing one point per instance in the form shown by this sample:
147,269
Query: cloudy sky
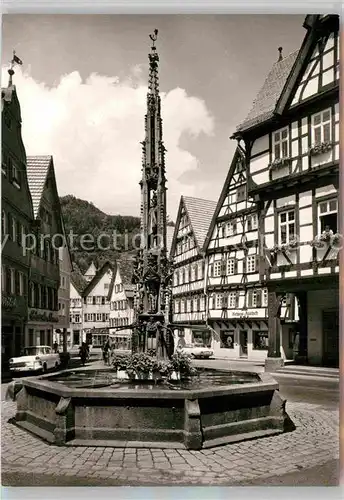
83,85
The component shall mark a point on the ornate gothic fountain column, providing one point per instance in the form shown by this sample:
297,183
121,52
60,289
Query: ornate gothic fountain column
152,274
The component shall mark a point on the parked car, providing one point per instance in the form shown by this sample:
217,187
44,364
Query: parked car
36,359
197,350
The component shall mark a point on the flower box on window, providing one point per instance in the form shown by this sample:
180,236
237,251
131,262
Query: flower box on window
326,237
279,163
286,248
320,148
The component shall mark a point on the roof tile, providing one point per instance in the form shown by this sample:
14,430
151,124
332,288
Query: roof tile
200,213
265,102
37,171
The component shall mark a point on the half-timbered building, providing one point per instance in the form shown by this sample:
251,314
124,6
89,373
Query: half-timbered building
46,240
237,302
121,297
188,294
96,306
290,140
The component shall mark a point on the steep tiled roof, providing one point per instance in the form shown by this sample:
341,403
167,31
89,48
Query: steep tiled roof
126,267
200,213
78,280
107,265
265,102
169,238
37,171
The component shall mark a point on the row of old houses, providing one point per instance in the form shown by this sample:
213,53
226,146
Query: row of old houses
36,262
256,274
261,280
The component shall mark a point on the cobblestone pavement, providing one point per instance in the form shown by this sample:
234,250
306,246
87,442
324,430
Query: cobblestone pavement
314,442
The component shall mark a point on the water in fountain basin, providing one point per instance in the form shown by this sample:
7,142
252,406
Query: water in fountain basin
205,379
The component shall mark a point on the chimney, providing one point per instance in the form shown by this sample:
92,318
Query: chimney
280,57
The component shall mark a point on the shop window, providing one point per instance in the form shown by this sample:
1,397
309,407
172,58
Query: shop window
260,340
201,338
76,337
227,339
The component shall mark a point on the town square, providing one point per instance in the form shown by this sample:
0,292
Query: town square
170,251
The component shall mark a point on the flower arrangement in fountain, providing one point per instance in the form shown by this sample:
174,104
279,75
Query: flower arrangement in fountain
320,148
279,163
285,248
326,238
143,366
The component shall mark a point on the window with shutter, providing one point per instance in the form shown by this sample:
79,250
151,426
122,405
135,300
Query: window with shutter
16,283
211,270
249,298
196,272
257,263
237,300
235,266
259,298
198,304
223,266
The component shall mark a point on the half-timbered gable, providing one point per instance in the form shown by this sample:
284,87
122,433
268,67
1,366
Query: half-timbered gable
189,301
291,143
237,303
96,307
121,297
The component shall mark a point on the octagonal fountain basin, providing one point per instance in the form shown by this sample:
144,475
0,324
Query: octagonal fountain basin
94,408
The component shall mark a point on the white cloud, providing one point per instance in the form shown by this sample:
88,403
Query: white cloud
93,129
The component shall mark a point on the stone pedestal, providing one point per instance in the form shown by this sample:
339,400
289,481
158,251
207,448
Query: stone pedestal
273,364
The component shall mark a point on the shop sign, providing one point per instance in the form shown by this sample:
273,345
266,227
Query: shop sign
249,313
42,316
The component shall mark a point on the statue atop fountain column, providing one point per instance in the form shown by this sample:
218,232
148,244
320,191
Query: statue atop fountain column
152,265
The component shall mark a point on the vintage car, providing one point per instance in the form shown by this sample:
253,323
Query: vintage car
35,359
196,350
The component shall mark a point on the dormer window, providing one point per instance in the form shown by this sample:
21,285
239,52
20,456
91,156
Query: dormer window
280,144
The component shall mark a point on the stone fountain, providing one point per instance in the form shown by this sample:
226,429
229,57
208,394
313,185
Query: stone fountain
96,408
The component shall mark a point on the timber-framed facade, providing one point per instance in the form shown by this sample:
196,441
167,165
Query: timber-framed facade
189,304
291,147
237,301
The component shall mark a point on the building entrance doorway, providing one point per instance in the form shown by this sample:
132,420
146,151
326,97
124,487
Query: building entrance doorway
243,343
330,323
